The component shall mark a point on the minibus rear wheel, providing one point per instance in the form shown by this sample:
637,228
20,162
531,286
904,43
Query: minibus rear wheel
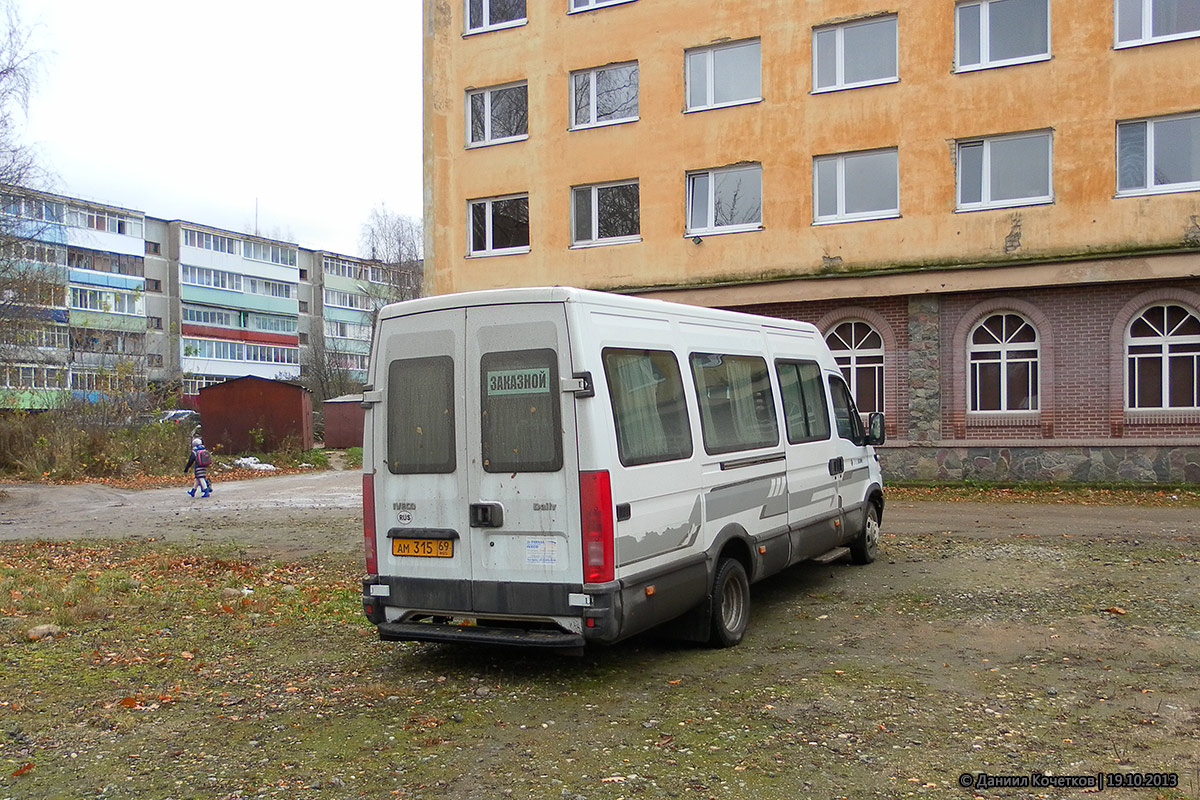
730,603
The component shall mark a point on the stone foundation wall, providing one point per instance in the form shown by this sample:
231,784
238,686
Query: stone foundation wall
1043,464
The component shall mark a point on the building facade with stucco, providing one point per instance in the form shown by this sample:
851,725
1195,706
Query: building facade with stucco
991,209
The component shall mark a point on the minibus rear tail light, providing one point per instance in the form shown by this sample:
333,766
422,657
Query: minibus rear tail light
369,546
596,513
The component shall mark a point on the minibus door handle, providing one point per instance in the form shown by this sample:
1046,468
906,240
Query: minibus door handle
837,465
487,515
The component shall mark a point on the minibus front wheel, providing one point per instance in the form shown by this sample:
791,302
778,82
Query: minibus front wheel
730,603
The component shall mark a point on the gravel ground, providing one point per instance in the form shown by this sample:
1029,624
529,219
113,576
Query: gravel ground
989,639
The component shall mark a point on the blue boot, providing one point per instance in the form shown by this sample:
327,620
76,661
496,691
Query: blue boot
192,491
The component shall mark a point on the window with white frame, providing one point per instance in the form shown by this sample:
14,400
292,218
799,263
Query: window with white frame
343,268
268,288
997,33
203,315
588,5
1002,357
1159,155
499,226
1004,171
858,350
339,299
488,15
271,323
604,95
1149,21
271,354
347,330
192,384
724,75
498,114
861,53
210,241
1162,349
107,221
220,349
856,186
213,278
724,200
605,214
270,253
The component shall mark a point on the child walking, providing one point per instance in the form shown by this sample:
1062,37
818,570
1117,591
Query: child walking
198,461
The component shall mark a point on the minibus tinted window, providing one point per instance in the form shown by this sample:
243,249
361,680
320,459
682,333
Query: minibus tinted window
737,411
803,395
420,415
519,407
648,406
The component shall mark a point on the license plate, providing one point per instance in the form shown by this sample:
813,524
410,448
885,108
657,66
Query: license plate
423,548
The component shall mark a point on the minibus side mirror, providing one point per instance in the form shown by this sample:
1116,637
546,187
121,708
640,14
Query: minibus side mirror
875,434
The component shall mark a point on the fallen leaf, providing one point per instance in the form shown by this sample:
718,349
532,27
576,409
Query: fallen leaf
129,702
23,770
1115,610
189,656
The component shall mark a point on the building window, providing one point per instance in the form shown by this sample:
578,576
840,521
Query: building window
1162,348
856,186
858,350
1003,364
588,5
352,300
153,249
303,309
489,15
1159,155
724,200
498,114
605,214
1148,21
202,315
270,253
153,285
724,75
214,278
499,226
154,322
996,33
1004,171
604,95
855,54
210,241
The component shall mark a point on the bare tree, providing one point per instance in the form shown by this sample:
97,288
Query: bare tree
31,272
393,245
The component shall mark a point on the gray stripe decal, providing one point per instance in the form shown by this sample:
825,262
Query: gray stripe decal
768,493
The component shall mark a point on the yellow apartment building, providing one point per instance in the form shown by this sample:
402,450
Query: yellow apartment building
990,208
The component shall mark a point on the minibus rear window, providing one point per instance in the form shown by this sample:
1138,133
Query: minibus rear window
737,411
648,406
519,408
420,415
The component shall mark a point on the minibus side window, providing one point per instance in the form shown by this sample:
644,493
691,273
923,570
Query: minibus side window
519,411
420,415
649,410
737,410
849,424
804,407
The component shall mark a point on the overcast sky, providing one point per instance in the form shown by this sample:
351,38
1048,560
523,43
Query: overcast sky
302,115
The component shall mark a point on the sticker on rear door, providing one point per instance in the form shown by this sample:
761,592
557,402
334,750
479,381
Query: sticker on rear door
541,552
535,380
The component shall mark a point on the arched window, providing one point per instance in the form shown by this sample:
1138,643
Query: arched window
1162,357
858,349
1002,353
